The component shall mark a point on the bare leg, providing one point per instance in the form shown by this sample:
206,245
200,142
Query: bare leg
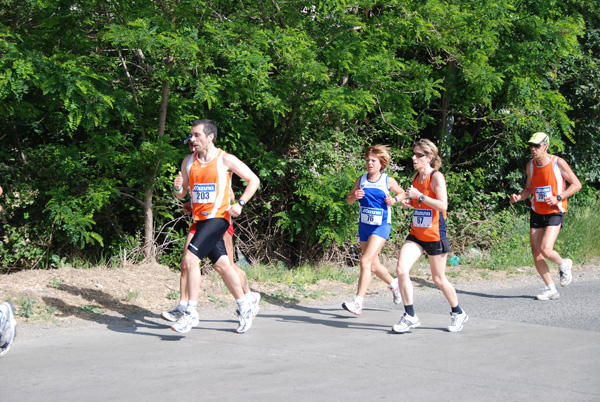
240,272
370,255
542,247
409,254
229,276
438,273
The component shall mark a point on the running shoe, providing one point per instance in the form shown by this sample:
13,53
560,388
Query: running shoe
8,327
352,307
256,304
187,321
406,323
245,321
548,294
565,273
457,321
173,315
396,292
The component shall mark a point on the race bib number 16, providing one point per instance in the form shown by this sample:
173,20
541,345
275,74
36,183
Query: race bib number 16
204,193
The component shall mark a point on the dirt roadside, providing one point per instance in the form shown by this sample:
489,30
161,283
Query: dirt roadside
71,298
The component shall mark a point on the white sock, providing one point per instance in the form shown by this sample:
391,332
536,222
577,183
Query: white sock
243,304
563,265
394,284
182,304
191,306
359,300
552,287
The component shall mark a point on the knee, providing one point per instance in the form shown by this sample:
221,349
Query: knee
439,280
366,264
545,251
402,273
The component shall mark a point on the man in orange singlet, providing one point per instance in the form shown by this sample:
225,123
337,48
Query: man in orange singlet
546,176
207,174
254,297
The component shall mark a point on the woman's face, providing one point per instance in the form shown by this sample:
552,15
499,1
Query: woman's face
420,159
373,164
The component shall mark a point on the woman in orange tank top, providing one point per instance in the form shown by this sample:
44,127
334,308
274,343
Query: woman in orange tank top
428,197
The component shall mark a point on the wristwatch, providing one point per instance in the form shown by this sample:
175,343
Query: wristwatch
558,198
422,198
242,203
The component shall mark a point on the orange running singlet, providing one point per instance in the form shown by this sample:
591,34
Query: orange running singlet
210,183
547,181
427,224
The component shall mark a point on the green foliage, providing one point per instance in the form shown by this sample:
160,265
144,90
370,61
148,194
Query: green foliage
297,92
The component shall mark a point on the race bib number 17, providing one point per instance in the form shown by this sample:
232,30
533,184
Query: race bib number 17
204,193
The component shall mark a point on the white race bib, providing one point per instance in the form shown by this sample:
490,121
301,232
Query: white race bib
371,216
542,192
422,218
204,193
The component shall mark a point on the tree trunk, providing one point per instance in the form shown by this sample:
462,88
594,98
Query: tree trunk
149,249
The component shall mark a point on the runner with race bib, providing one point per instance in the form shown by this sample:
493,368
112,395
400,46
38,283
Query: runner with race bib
429,199
372,190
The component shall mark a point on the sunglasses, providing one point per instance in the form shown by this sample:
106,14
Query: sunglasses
535,145
419,154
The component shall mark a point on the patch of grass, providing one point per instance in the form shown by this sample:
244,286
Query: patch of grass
173,294
304,274
26,308
280,297
217,300
56,283
91,309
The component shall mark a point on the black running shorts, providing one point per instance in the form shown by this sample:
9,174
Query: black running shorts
208,239
432,247
538,221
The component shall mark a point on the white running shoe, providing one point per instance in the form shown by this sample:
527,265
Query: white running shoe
186,322
565,273
8,327
256,304
457,321
245,321
352,307
173,315
406,323
396,292
548,295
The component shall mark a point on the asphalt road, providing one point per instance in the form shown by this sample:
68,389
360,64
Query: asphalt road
513,348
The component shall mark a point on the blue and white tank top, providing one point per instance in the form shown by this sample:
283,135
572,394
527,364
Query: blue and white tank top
373,209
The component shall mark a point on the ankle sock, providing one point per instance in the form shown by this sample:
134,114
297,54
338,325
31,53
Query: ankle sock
410,310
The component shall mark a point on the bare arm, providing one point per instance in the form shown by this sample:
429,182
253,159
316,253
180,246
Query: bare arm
438,185
356,193
574,183
396,189
241,169
182,181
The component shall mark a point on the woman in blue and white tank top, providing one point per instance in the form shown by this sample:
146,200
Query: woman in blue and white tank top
372,190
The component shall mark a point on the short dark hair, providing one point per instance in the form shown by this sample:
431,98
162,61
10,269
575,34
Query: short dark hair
209,127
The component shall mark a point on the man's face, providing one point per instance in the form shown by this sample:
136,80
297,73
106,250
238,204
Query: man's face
200,141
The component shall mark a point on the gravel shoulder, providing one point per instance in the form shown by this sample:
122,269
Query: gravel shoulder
69,299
